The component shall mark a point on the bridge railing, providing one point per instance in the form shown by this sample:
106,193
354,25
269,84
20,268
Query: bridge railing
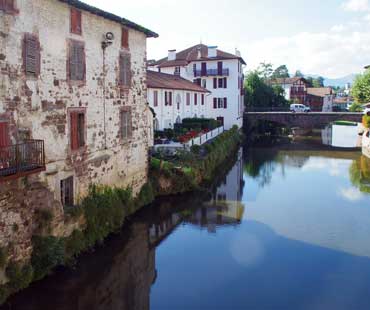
267,109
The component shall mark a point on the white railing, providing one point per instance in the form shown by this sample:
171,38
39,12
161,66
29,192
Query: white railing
205,137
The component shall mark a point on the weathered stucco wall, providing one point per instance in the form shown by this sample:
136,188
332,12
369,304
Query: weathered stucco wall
37,108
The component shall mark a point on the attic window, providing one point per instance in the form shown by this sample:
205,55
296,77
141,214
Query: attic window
125,36
76,21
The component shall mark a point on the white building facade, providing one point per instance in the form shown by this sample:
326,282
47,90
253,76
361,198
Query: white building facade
219,72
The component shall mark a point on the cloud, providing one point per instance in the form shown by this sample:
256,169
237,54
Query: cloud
356,5
351,194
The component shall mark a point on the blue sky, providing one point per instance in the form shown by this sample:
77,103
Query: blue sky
327,37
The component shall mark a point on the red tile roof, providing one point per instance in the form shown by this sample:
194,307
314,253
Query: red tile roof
284,81
169,81
319,91
191,54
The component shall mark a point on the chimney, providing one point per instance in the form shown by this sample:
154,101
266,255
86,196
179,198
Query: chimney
171,55
212,51
199,52
237,53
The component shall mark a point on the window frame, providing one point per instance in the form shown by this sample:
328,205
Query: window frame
75,28
63,186
122,57
129,128
125,38
8,9
28,37
78,148
71,44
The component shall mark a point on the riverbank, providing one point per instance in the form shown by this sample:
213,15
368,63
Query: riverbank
105,210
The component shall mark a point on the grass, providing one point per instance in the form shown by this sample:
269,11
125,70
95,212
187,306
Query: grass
345,123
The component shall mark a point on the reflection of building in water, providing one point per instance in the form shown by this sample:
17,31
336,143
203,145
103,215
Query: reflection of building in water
159,231
327,135
294,160
111,278
225,207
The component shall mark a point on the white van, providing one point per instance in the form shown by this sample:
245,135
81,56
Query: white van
299,108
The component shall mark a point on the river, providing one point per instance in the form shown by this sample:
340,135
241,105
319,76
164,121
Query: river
286,228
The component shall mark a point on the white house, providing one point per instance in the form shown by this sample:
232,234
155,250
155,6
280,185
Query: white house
219,72
174,98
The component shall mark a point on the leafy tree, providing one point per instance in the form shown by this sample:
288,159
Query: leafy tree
281,72
265,70
361,88
298,73
309,79
318,82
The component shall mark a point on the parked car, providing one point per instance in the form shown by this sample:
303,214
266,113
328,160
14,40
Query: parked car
299,108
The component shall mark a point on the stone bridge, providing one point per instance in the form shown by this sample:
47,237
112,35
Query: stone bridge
302,120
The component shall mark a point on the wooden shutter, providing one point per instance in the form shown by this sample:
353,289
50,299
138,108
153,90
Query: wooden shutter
77,61
76,21
187,98
155,98
7,5
214,83
202,99
31,55
81,129
4,134
165,98
219,68
74,130
124,38
170,98
125,70
225,82
195,99
215,103
225,103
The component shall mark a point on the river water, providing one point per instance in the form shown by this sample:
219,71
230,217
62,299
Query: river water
288,227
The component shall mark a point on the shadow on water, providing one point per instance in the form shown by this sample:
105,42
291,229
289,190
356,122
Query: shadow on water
215,250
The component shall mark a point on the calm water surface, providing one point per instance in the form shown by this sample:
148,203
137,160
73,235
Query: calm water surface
287,228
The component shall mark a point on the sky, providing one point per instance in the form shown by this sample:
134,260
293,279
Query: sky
325,37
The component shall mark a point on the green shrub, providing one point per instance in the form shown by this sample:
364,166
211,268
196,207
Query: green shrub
48,252
19,277
366,121
146,195
75,244
195,149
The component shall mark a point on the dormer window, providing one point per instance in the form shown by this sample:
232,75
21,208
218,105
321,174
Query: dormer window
177,71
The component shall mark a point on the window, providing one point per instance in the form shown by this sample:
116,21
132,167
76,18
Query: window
194,68
215,103
220,103
31,55
156,98
76,25
195,99
76,61
126,124
222,83
125,70
214,83
77,125
177,71
202,99
124,38
168,98
219,68
66,192
187,98
204,69
204,83
4,134
7,6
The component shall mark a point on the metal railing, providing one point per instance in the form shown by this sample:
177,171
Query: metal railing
22,159
211,72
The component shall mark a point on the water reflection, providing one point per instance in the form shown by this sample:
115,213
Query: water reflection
360,173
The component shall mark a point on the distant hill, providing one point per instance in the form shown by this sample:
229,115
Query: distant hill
341,82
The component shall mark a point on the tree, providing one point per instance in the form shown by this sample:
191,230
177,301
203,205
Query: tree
361,88
318,82
298,73
265,70
281,72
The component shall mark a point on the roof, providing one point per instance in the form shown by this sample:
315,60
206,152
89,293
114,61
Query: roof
191,54
319,91
282,81
93,10
169,81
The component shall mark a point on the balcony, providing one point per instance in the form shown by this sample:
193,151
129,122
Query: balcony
21,159
211,72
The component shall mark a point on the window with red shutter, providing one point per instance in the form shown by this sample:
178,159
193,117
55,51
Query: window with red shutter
225,103
76,21
77,125
155,98
125,70
195,99
125,36
187,98
77,67
4,134
31,55
215,103
7,6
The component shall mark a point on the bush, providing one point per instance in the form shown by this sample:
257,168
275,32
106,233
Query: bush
146,195
48,252
19,277
366,121
75,244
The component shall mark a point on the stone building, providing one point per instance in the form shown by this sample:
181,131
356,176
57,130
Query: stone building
73,109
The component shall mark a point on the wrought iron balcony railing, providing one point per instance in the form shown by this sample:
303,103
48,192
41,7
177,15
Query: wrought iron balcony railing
211,72
21,159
